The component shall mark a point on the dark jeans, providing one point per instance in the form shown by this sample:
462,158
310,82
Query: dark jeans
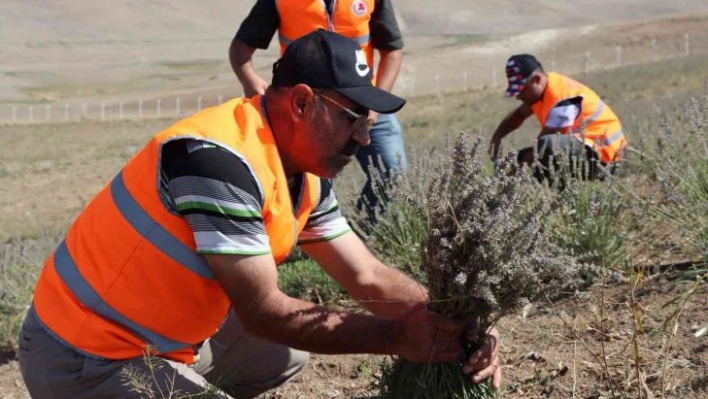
562,156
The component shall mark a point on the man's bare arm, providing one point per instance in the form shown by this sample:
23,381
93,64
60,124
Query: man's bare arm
389,67
511,122
382,290
387,72
265,311
241,58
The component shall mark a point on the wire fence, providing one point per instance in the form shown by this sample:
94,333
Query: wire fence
465,75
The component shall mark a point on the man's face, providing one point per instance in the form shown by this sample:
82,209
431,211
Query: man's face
336,130
533,89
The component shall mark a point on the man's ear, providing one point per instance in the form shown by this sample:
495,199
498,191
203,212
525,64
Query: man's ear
302,101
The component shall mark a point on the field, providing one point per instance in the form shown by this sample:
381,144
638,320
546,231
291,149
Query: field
636,328
556,349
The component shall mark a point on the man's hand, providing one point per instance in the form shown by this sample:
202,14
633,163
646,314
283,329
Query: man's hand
494,147
485,362
254,85
511,122
373,117
425,336
241,58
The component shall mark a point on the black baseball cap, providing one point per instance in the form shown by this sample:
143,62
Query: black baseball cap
518,68
327,60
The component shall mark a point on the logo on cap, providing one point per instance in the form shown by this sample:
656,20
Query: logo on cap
359,8
362,68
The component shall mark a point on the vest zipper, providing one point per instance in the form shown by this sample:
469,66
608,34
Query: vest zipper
330,17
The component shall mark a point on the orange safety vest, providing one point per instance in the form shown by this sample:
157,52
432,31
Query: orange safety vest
127,274
603,131
350,18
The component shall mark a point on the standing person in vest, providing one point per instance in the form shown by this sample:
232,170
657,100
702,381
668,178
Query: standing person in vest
588,129
372,23
177,255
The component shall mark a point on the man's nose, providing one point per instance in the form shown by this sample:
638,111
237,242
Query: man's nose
361,135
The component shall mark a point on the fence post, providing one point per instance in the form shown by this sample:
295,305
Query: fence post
83,110
412,87
66,112
47,111
177,106
685,39
586,62
221,99
437,84
140,108
103,111
464,81
653,49
158,107
494,78
31,113
619,55
199,103
120,110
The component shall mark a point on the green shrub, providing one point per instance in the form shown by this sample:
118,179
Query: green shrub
20,263
397,238
304,279
591,226
401,227
679,164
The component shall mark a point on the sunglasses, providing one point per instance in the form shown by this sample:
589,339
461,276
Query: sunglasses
357,120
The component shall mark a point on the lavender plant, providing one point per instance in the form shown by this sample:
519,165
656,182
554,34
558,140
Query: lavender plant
21,260
487,252
592,228
401,228
679,165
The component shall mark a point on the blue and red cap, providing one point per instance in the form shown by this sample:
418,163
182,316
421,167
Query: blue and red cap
518,69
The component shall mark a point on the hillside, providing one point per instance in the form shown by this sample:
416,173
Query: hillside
60,49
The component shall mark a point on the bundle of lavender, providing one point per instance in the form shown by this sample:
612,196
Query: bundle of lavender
487,254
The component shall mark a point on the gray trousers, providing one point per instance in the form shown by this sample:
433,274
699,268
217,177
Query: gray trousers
556,150
239,364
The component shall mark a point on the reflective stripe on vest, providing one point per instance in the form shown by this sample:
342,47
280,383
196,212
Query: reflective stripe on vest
361,40
69,273
153,232
284,41
612,138
598,111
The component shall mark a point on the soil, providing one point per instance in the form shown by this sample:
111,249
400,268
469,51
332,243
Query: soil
554,350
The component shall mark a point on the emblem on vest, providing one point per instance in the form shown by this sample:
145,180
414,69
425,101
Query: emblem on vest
359,8
362,68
